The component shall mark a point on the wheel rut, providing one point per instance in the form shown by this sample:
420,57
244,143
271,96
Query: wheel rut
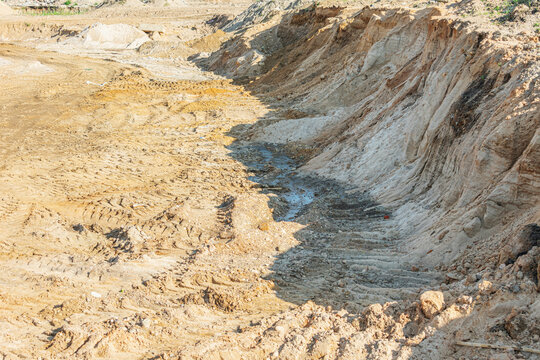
153,215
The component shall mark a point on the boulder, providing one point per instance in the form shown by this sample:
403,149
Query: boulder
520,244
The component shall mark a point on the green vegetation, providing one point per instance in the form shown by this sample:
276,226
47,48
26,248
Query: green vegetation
67,3
53,11
503,11
507,7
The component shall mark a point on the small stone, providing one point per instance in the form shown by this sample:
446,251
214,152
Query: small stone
478,276
145,323
95,294
411,329
451,277
281,330
414,268
264,226
465,299
519,275
78,228
135,235
431,303
485,287
515,324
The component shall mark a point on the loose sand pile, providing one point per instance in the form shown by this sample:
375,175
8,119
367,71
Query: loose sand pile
5,10
209,43
115,36
169,3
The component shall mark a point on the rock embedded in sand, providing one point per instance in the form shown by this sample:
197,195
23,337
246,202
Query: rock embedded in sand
472,227
431,303
515,324
281,330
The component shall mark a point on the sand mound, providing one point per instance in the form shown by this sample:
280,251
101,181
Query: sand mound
210,42
168,3
115,36
5,10
23,67
133,3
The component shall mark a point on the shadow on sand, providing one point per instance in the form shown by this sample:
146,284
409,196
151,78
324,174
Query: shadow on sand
347,256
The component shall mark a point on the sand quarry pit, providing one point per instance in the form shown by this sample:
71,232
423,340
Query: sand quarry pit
270,180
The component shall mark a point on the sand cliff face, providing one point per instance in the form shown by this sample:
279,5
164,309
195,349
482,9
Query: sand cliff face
437,122
433,119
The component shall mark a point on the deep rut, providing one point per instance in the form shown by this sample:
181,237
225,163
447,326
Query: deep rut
349,255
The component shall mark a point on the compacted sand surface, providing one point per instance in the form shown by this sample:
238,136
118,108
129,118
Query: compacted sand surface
270,180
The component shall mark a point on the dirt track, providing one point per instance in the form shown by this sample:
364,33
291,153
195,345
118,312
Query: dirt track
144,198
107,187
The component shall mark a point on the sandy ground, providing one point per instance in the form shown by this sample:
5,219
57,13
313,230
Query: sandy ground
144,215
108,191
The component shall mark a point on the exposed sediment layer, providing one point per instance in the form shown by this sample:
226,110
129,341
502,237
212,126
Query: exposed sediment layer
432,118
